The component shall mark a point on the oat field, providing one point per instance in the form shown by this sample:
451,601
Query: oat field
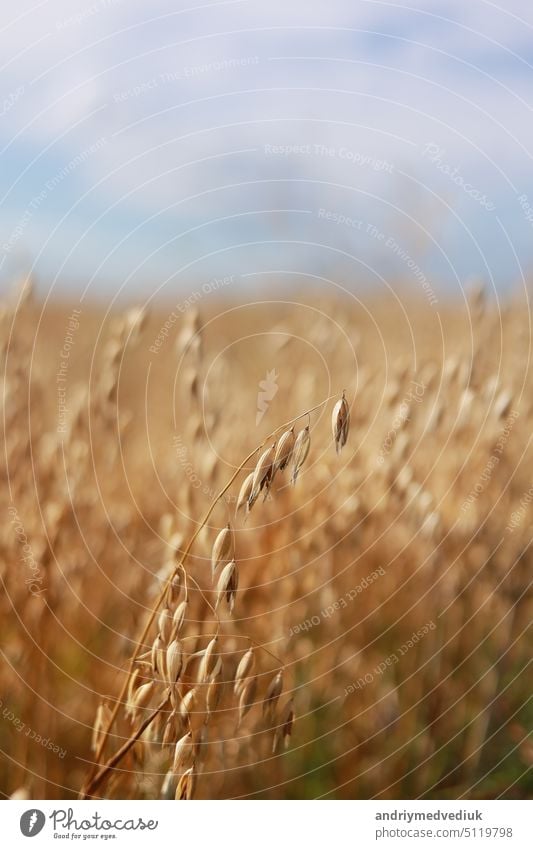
219,580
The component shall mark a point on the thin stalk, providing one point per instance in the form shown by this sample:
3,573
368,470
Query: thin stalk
120,698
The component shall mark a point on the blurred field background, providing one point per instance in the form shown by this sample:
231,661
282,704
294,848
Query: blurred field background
414,497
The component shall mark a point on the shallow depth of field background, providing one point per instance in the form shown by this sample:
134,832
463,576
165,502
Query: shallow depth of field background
413,498
213,217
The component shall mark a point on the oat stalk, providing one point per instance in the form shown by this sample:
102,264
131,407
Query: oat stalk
97,775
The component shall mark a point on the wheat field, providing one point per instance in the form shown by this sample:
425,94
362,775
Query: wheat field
361,633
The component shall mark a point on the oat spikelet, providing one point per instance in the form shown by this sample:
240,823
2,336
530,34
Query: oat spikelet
222,549
135,321
272,695
300,452
227,585
283,454
167,787
158,656
244,669
174,589
169,733
340,423
214,690
103,716
186,785
217,668
179,617
183,753
262,475
247,697
174,661
284,729
165,623
133,684
141,697
187,705
206,664
244,494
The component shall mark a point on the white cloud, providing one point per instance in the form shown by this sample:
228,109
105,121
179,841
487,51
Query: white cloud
161,82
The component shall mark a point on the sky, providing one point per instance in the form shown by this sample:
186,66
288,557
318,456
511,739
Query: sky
145,146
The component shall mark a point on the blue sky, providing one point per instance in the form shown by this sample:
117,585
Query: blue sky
143,146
